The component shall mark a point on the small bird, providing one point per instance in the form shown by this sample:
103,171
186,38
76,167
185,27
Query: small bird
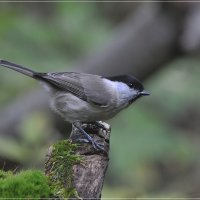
80,97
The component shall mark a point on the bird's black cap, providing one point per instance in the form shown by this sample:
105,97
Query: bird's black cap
131,81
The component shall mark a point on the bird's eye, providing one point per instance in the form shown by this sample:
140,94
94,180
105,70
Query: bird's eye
130,85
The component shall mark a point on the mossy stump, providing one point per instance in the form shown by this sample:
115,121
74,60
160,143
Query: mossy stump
77,170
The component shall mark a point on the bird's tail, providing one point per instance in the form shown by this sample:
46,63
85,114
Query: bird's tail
18,68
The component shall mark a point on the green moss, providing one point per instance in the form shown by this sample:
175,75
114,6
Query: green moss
34,184
4,174
60,166
26,184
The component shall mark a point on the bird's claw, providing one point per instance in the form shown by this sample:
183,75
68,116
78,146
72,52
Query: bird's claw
81,140
88,138
97,146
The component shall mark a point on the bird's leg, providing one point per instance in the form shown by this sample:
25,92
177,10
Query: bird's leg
89,138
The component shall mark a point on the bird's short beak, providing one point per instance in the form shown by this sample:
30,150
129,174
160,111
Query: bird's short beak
144,93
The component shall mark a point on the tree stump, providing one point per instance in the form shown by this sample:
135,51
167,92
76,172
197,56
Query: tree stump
87,175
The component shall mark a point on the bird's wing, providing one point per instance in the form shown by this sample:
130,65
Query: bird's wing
87,87
66,81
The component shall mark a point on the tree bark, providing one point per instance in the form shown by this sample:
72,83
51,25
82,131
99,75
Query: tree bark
89,178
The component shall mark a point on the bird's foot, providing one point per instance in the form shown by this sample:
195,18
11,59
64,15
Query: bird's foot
97,146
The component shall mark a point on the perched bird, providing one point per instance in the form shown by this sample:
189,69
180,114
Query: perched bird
80,97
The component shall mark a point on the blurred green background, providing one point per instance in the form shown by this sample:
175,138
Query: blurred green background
154,143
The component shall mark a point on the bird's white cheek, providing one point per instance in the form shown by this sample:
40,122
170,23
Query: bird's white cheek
124,93
133,93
